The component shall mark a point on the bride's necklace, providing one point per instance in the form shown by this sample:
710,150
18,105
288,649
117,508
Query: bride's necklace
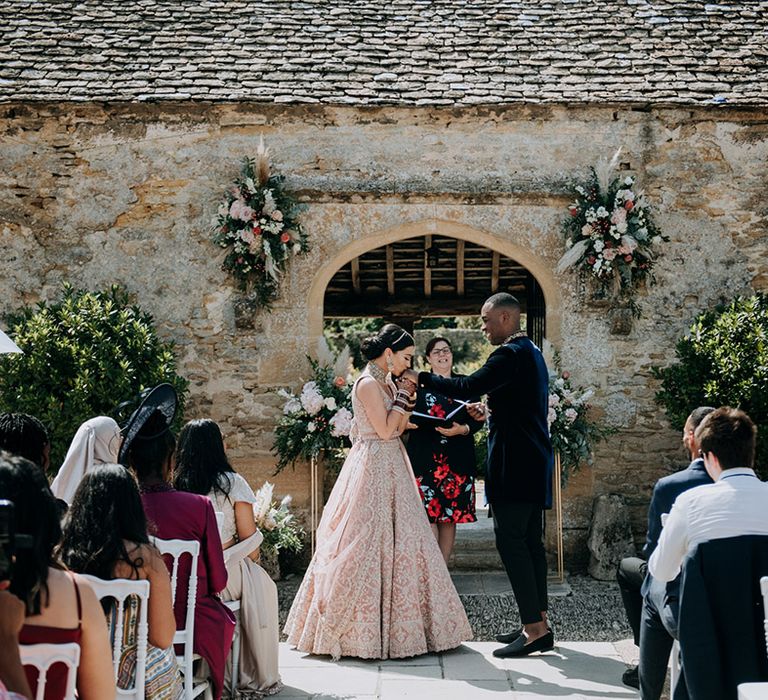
377,373
514,336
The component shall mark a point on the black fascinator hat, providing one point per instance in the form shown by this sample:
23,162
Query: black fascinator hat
151,419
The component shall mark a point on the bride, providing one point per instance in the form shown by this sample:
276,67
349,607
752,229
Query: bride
377,586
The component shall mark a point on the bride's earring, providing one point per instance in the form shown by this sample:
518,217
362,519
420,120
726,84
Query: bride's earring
390,364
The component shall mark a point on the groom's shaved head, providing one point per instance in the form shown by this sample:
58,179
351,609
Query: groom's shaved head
502,300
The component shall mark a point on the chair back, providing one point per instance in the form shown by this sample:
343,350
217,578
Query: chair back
185,636
43,656
121,590
764,591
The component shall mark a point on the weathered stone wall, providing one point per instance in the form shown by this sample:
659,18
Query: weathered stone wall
96,194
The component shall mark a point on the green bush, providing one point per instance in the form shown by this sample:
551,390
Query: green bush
83,356
722,361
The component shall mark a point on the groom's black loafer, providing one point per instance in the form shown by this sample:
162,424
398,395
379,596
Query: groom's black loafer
520,648
509,637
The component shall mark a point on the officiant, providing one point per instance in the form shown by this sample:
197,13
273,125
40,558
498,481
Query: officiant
518,481
441,448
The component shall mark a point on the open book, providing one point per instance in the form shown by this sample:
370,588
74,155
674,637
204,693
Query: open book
457,415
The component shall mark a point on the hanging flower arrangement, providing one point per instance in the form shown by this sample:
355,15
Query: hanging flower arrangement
257,224
610,234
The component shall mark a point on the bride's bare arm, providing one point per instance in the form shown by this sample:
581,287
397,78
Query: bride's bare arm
387,424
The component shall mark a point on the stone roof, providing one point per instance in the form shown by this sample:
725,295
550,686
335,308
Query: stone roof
371,52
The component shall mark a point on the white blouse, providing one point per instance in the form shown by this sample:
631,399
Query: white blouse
239,492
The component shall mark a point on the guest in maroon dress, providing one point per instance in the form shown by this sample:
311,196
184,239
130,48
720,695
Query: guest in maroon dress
148,450
60,607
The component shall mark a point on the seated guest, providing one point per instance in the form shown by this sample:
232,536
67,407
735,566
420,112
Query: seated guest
202,467
97,441
148,448
25,436
734,506
13,681
60,606
632,570
105,535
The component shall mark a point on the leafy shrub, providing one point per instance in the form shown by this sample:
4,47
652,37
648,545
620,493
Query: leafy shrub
722,361
83,356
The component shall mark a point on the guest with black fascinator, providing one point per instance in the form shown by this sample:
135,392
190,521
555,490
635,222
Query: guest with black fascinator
148,449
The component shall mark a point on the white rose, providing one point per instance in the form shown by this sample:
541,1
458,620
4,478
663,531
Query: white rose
554,400
292,406
296,248
311,398
551,417
311,426
330,403
629,181
341,423
571,414
656,240
602,213
599,245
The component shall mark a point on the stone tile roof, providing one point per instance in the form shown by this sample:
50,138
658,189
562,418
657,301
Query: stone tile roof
369,52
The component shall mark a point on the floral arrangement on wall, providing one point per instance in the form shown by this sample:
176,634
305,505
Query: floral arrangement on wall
610,234
257,224
318,418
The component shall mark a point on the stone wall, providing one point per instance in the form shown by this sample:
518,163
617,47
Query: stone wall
96,194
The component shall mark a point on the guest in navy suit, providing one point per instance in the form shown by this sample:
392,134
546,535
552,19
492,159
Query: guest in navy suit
658,620
518,481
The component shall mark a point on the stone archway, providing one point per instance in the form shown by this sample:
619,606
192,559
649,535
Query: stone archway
506,247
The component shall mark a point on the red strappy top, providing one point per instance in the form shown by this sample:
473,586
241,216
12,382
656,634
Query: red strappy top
56,683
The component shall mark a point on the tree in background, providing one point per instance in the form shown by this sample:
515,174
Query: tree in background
722,361
82,357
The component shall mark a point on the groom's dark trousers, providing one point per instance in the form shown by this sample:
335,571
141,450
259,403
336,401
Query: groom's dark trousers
518,481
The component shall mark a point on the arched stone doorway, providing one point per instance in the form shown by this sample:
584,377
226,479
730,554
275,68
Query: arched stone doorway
520,269
431,275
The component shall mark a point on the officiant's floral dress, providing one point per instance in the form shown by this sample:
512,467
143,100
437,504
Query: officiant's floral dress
444,466
377,586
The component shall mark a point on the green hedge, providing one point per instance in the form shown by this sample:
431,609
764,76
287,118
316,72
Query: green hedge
722,361
83,356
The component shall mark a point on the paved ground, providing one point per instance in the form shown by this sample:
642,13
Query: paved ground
584,670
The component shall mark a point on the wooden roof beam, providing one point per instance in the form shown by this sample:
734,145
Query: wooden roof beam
460,268
427,268
356,276
390,270
495,272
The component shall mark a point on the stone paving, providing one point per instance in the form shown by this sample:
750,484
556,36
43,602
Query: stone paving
584,670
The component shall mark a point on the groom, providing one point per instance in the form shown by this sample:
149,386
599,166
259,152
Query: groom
518,482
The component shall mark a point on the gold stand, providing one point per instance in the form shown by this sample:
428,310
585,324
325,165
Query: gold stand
557,504
313,500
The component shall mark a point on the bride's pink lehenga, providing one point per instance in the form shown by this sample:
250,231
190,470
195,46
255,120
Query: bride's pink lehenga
377,586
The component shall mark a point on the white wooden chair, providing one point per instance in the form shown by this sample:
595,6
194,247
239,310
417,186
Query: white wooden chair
120,590
234,606
758,691
185,637
43,656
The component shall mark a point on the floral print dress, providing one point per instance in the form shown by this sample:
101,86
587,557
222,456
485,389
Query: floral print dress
444,466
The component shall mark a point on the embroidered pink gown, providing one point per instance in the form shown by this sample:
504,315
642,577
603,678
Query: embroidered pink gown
377,586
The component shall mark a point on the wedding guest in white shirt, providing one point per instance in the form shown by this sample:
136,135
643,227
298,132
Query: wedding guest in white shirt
736,504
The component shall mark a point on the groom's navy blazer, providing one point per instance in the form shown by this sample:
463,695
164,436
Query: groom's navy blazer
516,380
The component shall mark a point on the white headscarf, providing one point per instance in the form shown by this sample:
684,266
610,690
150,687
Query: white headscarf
97,441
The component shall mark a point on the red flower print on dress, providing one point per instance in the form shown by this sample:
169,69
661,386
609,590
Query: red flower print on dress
442,470
433,508
437,410
450,488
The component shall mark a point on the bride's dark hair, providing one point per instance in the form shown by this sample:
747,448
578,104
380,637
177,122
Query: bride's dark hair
390,336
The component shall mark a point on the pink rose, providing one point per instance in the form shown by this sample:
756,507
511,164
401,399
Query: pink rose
339,381
277,215
566,375
609,253
246,235
619,216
